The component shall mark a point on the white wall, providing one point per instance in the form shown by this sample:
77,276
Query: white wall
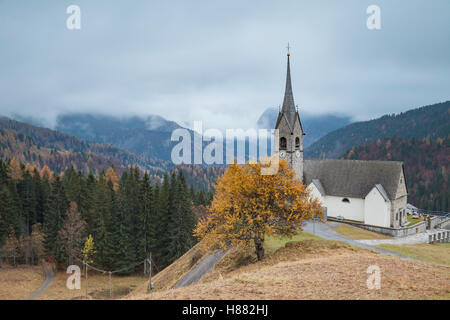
377,210
352,211
315,193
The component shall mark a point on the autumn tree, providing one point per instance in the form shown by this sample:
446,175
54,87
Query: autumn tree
70,237
111,175
249,206
14,170
88,251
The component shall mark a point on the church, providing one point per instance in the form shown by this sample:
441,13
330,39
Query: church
371,192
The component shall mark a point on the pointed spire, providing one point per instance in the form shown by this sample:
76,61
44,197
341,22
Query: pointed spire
288,108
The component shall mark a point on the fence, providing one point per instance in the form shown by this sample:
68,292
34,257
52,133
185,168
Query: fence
439,236
110,273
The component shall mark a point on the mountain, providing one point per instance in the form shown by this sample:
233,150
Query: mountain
426,163
431,121
42,146
315,126
146,136
45,147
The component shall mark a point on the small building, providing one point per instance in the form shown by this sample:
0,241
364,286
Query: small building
372,192
411,210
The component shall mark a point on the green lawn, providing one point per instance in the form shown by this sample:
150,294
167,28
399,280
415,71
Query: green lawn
272,243
413,221
436,253
359,234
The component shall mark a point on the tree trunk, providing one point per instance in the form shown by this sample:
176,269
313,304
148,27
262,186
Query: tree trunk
259,247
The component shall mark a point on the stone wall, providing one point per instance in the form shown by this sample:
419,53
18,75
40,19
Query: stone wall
393,232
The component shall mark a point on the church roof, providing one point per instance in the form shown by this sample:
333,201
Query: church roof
353,178
382,191
319,186
288,108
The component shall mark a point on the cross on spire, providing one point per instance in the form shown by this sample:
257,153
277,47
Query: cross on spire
288,47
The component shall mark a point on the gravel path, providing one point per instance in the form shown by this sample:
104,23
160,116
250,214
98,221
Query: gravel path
49,276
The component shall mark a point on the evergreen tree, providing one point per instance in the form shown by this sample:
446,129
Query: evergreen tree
54,220
181,221
162,212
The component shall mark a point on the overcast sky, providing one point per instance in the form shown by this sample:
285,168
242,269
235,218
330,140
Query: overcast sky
222,62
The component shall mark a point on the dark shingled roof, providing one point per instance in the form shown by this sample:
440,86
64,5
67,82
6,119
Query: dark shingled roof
353,178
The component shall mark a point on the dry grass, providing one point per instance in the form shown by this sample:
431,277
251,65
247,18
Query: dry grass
320,270
359,234
272,243
20,282
435,253
98,287
168,277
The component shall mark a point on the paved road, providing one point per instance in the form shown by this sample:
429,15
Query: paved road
49,276
326,231
201,269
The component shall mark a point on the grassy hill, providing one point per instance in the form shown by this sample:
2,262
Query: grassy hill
426,162
426,122
313,269
305,267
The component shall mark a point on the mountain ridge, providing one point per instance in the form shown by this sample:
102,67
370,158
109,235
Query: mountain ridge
431,121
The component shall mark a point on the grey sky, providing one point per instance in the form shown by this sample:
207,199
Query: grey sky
222,62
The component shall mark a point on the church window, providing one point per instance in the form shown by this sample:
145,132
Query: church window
297,143
283,143
346,200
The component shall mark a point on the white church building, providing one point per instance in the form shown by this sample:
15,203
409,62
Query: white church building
371,192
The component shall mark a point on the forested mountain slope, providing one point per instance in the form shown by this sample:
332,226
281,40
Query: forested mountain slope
426,162
426,122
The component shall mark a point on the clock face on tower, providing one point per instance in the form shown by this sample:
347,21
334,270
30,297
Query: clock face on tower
282,154
297,154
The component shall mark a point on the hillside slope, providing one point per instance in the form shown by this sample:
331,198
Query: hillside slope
149,136
42,146
315,269
430,121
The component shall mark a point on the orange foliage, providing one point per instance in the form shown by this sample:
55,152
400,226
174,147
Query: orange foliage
14,170
248,205
46,172
111,175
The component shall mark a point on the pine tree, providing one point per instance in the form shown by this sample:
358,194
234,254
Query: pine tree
181,221
8,214
54,219
147,231
162,212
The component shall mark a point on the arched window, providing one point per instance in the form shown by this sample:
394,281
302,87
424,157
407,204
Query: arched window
346,200
283,143
297,143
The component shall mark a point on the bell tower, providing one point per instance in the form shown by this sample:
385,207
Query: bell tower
290,128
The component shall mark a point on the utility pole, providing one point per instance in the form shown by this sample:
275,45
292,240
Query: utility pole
110,287
150,285
314,224
86,265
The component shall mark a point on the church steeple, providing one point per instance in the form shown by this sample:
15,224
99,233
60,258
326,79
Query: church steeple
289,126
288,108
